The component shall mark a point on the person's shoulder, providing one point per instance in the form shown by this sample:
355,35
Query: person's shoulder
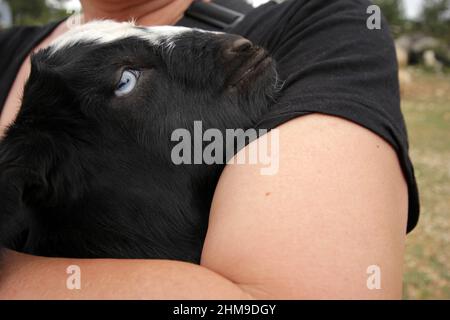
281,20
17,34
18,41
12,39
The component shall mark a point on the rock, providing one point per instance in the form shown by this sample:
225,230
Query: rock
404,77
430,60
402,56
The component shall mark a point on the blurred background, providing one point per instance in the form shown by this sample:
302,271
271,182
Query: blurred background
422,32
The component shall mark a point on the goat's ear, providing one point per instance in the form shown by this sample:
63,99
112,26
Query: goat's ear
48,96
19,185
13,218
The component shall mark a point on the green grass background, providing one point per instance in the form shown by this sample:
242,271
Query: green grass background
426,107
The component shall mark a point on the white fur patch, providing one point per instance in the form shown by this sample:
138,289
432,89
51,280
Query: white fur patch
106,31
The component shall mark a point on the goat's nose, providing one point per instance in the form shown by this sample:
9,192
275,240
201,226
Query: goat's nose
241,45
237,47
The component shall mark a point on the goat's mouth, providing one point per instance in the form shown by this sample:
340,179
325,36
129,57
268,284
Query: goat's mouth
252,69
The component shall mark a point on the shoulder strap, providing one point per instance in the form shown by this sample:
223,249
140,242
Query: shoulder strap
215,15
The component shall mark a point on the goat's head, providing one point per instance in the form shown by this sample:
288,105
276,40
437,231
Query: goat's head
99,108
157,73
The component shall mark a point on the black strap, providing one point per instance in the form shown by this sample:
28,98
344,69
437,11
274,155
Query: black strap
215,15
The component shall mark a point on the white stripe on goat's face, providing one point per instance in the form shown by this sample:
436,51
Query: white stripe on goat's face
92,58
107,31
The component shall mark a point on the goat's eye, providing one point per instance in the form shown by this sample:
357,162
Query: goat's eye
127,82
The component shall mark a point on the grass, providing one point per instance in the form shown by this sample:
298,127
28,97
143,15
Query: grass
426,106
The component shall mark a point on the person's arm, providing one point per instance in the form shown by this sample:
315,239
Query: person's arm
337,206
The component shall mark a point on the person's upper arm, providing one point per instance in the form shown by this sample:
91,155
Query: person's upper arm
337,206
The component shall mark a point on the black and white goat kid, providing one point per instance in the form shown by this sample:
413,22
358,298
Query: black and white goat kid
86,169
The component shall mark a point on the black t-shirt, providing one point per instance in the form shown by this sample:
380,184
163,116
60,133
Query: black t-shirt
331,62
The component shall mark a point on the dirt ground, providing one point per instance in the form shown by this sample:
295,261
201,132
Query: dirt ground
426,107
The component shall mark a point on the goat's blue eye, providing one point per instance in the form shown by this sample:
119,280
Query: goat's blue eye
127,82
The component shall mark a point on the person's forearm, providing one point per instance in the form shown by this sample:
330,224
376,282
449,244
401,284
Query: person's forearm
28,277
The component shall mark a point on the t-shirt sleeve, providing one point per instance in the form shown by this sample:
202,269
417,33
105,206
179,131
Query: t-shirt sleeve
11,44
16,43
332,63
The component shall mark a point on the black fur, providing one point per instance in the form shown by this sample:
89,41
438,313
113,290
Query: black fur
86,174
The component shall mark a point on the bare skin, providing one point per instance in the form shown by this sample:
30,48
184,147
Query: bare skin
337,206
